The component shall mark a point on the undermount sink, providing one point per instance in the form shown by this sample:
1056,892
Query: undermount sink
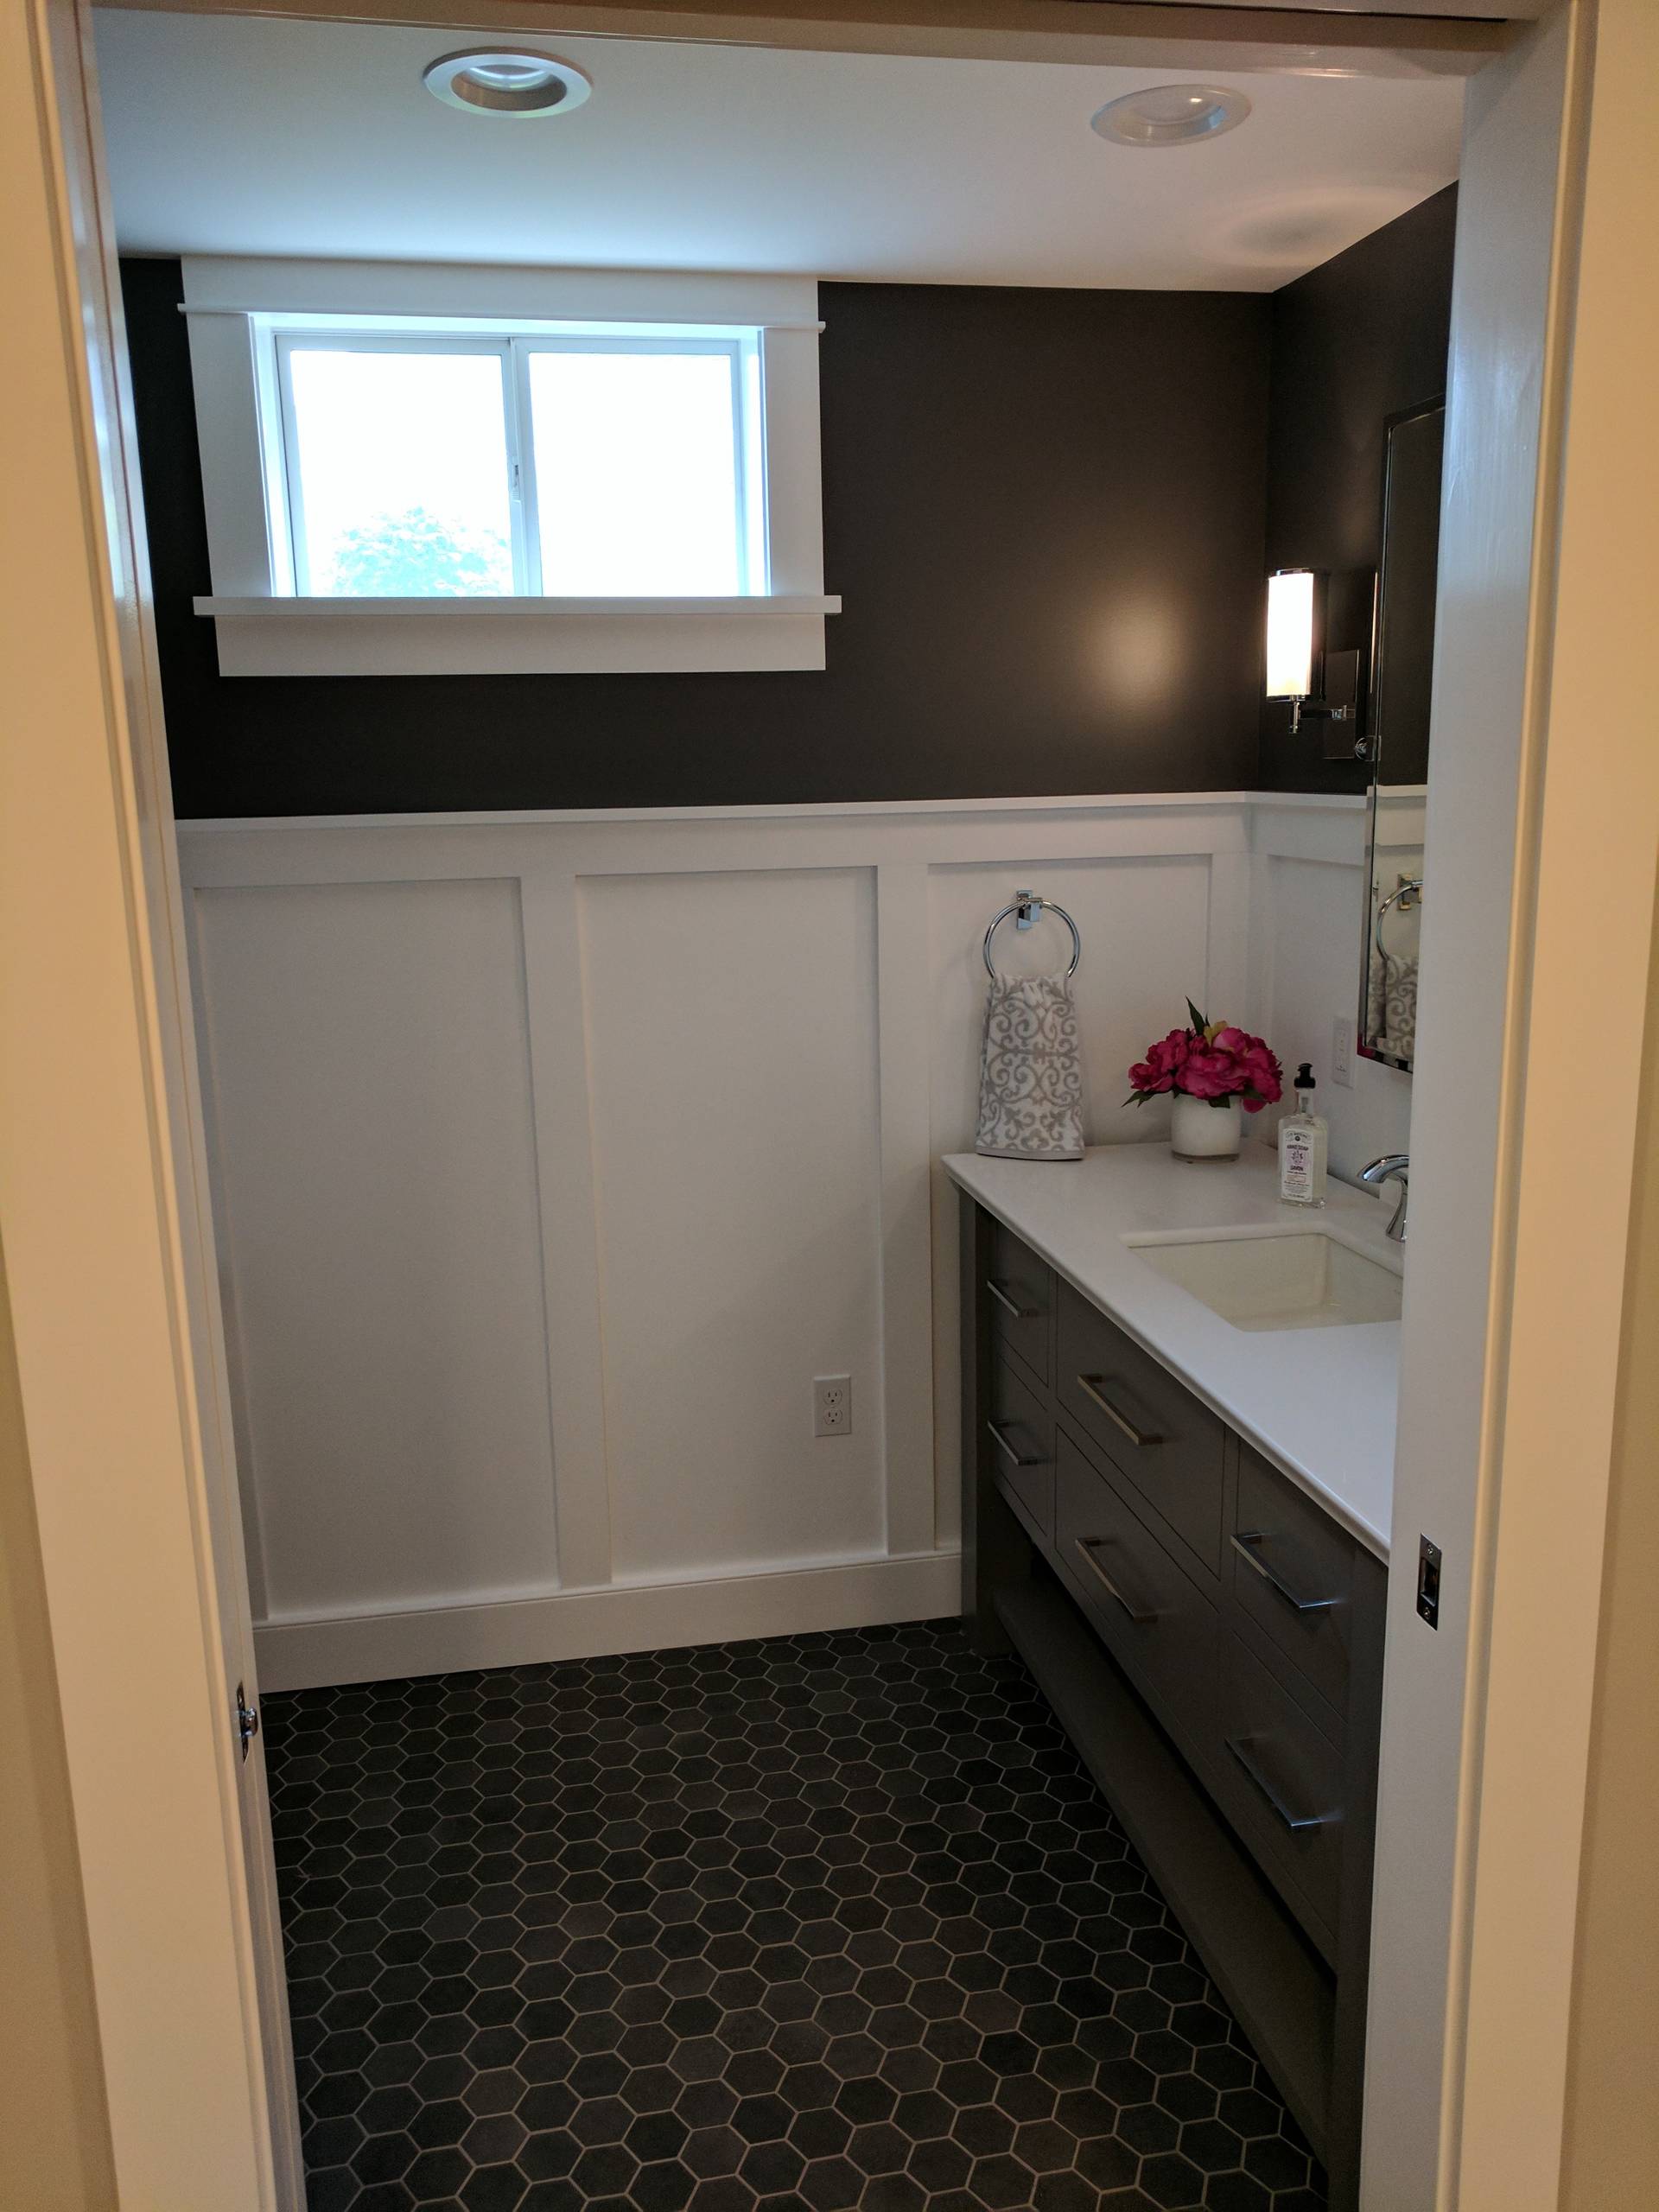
1293,1278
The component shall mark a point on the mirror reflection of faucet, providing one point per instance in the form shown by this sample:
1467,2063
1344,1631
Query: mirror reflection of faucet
1392,1168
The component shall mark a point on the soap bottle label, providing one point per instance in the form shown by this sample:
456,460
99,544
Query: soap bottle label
1296,1165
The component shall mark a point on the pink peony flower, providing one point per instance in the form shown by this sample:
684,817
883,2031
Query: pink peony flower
1264,1074
1211,1074
1221,1061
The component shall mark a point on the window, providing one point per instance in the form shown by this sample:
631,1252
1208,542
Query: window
395,489
592,466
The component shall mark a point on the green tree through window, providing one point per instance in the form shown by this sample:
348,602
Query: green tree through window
416,555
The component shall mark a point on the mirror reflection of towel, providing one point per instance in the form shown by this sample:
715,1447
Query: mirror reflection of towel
1031,1081
1393,1025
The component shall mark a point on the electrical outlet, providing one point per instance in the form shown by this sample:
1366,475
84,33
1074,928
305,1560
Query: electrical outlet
1342,1050
832,1405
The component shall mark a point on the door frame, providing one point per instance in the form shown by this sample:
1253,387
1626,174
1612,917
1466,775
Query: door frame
1520,1265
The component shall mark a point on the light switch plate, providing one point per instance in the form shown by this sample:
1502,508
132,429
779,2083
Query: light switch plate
1342,1051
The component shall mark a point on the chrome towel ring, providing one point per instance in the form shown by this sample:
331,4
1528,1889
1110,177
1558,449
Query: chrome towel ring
1026,906
1409,894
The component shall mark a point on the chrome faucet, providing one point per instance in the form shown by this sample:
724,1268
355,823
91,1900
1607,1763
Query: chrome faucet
1392,1168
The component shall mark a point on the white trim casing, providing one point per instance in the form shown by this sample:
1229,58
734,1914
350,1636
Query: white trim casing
514,636
233,306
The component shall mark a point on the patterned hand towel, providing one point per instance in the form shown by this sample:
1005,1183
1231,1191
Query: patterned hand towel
1031,1082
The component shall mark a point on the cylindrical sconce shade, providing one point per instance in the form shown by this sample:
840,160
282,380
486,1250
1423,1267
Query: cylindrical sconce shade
1290,633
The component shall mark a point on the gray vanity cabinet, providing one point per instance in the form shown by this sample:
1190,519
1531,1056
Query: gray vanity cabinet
1210,1638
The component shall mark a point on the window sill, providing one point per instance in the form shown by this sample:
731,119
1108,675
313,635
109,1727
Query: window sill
516,637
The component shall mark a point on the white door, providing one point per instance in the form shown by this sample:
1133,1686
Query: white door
116,1299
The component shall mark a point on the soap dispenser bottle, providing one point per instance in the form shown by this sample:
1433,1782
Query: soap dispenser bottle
1303,1140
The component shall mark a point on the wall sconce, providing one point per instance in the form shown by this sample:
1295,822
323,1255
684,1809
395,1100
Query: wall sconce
1317,683
1291,593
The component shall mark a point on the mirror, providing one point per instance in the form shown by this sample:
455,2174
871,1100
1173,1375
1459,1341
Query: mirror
1397,732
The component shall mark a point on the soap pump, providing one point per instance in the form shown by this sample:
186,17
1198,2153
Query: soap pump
1303,1140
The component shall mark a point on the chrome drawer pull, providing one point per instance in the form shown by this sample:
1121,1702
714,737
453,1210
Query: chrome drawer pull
999,1438
1088,1546
1090,1385
1244,1544
1296,1823
1020,1313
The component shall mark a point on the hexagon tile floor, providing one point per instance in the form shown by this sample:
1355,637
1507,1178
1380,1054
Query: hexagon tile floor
804,1925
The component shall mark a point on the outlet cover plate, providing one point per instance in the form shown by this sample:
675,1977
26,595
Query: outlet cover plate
832,1405
1342,1051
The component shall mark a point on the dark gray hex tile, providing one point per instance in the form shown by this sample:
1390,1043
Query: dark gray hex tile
656,2136
728,2194
383,2157
983,2130
873,1853
1148,2130
820,2134
493,2189
436,2175
1250,2112
601,2120
548,2154
712,2150
1276,2163
605,2170
1064,2192
438,2125
1239,2192
832,2184
1027,2097
667,2186
762,2119
772,2169
940,2166
1002,2182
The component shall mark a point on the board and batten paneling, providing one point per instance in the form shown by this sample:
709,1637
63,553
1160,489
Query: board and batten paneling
555,1156
732,1059
367,1057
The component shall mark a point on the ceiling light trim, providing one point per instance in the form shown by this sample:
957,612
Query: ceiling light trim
1170,115
509,84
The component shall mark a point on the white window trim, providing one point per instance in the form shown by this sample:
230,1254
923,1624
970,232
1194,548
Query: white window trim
237,307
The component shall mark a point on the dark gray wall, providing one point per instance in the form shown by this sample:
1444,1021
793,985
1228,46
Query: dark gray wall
1354,341
1045,511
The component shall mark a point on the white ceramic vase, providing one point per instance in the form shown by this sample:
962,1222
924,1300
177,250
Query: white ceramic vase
1198,1130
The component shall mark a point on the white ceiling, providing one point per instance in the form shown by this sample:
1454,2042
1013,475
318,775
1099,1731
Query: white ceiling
238,135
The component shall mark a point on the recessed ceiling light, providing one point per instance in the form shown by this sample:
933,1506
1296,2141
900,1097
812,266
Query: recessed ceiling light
1170,115
507,81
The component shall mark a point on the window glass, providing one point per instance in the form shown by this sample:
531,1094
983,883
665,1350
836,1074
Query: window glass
636,473
400,473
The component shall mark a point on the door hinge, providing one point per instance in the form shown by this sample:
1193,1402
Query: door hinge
247,1720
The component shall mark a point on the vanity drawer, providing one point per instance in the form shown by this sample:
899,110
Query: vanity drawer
1157,1621
1153,1430
1279,1776
1293,1573
1019,1300
1020,1437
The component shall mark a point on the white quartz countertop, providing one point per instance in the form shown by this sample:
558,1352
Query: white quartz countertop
1319,1403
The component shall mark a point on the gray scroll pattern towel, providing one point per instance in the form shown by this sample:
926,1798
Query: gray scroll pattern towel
1394,1005
1031,1081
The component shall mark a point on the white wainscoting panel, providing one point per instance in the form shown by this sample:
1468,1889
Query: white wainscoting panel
732,1057
557,1154
369,1091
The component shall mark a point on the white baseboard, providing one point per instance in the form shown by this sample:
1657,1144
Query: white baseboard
590,1623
